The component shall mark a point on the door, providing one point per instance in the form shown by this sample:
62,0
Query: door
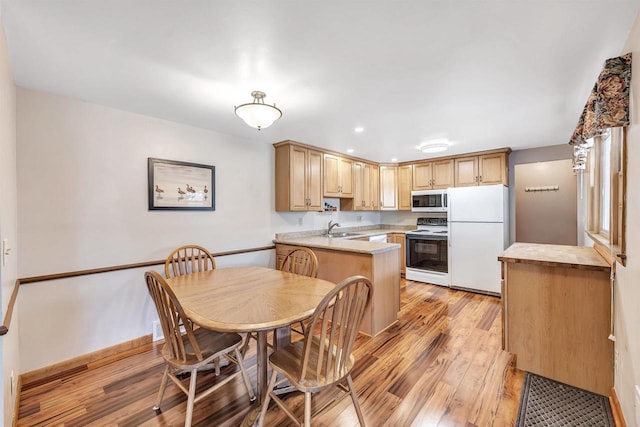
298,184
331,176
314,180
405,184
492,169
422,179
442,174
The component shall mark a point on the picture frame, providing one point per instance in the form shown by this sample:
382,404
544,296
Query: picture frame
175,185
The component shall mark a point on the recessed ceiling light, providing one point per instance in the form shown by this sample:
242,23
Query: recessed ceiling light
359,129
394,160
350,150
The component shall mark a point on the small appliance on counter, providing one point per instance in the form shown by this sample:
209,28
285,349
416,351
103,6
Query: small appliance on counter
427,252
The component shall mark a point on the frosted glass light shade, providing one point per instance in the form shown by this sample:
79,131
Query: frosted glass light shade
434,148
257,114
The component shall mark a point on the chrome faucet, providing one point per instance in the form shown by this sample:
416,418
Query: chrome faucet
331,225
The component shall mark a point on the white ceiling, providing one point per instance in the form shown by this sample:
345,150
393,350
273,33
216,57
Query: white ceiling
484,74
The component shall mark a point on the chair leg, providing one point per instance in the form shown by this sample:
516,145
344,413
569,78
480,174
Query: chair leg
245,377
163,386
354,397
245,345
265,404
307,409
216,364
191,398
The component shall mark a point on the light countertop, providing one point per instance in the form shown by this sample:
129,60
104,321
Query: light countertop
581,257
347,244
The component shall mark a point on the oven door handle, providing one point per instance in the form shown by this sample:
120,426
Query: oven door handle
426,238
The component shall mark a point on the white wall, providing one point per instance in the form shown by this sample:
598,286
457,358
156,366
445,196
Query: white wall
627,287
8,228
82,184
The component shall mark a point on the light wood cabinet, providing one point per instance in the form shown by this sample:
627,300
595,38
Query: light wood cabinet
388,188
400,238
298,178
556,313
405,185
380,267
365,186
338,176
433,175
488,169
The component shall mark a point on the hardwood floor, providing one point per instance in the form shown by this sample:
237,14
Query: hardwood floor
442,365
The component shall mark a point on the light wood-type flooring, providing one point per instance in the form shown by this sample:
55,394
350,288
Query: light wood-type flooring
442,365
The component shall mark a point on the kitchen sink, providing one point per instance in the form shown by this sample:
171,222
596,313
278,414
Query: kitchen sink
344,234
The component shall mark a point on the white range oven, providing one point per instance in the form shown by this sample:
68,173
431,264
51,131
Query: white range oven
427,252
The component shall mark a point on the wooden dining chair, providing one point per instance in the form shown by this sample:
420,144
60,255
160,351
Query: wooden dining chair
188,259
324,357
191,349
301,261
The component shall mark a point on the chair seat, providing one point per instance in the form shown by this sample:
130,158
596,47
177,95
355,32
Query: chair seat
211,343
288,361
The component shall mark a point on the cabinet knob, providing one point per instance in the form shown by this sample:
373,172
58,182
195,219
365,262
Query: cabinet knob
480,178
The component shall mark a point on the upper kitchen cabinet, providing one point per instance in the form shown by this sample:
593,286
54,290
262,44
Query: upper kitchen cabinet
338,176
298,178
485,169
433,175
405,185
365,187
388,188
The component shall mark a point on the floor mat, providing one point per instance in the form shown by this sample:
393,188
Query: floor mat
545,402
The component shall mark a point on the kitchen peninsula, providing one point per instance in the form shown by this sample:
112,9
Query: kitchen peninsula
339,258
557,313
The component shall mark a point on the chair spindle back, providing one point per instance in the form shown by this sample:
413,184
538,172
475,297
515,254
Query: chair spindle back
188,259
338,318
300,261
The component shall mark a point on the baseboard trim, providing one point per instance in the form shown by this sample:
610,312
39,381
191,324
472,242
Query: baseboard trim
83,362
16,403
616,409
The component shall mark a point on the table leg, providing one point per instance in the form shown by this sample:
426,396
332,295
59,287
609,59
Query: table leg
261,366
282,337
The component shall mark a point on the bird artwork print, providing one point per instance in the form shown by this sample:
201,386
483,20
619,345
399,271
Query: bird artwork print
205,192
159,192
180,194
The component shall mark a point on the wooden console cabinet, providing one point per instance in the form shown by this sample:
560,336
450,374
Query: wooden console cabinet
557,313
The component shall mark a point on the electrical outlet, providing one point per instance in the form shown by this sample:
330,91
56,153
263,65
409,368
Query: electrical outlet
300,221
359,218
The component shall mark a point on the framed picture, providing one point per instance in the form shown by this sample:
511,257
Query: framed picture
181,186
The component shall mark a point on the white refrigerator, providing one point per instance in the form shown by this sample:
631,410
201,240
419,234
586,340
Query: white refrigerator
478,234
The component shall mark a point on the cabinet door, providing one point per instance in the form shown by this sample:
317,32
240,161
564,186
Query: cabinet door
401,240
466,171
405,184
314,180
366,187
298,179
358,186
346,178
442,174
375,188
422,176
493,169
331,176
388,188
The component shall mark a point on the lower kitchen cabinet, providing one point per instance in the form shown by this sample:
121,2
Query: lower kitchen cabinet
380,267
400,238
557,313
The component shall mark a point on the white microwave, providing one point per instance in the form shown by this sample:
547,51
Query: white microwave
429,201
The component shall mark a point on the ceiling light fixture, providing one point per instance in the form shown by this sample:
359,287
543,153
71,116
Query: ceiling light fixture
434,147
257,114
350,150
359,129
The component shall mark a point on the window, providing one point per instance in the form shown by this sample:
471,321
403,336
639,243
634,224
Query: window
606,182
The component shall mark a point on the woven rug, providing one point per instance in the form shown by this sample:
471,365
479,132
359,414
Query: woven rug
545,402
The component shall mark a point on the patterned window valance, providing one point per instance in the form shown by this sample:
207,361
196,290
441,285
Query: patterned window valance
608,103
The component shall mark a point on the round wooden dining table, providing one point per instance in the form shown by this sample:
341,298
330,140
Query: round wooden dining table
249,299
